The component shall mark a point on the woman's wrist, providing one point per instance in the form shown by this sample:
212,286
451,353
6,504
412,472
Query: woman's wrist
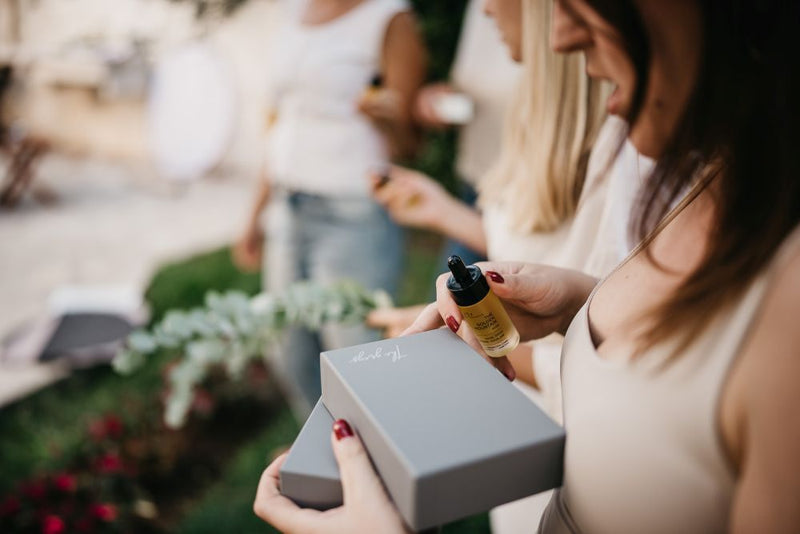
460,222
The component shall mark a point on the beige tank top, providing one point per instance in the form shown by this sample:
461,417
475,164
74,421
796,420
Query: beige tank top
643,451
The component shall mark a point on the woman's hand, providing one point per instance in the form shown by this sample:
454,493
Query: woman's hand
383,106
539,299
425,105
366,506
247,250
413,199
393,321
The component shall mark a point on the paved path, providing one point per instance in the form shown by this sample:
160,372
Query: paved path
113,225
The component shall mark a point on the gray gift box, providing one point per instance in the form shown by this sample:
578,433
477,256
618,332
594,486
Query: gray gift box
309,475
448,434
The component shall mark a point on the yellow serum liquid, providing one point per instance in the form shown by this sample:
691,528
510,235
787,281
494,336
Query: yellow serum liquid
491,325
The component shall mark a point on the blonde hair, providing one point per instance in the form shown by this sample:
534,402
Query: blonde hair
549,131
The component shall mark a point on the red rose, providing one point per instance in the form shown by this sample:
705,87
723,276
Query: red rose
104,512
10,506
109,463
53,524
65,482
97,430
113,426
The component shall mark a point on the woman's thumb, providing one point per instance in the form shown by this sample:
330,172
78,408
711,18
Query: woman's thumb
359,480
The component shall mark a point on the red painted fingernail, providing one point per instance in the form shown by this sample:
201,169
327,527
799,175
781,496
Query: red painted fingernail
495,277
510,375
341,429
452,323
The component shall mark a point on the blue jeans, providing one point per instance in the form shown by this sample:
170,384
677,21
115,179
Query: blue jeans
325,239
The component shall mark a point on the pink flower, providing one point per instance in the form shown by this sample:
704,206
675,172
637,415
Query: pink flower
53,524
109,463
104,512
109,426
10,506
65,482
113,426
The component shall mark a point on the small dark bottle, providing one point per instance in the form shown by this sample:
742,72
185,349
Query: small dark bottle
481,309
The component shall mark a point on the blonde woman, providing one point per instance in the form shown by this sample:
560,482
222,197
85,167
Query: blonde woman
553,123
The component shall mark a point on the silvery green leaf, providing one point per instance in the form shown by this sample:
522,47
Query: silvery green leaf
244,322
164,339
142,342
177,325
264,304
237,301
186,374
236,361
223,325
201,324
127,361
177,408
213,300
382,299
206,351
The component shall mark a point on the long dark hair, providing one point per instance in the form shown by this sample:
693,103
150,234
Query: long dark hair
741,123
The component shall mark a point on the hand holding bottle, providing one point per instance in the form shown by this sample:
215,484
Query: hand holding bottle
383,105
439,105
539,300
412,198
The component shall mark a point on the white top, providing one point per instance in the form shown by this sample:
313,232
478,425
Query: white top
483,70
320,142
594,241
599,234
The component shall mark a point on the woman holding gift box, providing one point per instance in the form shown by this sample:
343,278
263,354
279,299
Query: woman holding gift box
679,368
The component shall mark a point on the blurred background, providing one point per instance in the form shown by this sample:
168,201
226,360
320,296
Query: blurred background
131,137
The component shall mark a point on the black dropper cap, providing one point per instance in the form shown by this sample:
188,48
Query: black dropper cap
467,284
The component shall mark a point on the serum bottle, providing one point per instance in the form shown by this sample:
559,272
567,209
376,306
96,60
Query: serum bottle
481,309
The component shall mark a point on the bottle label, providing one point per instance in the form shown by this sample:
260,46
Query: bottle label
492,326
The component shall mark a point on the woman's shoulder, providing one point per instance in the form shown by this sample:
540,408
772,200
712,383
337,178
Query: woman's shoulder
775,323
763,430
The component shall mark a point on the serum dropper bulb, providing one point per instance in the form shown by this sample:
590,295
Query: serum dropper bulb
459,270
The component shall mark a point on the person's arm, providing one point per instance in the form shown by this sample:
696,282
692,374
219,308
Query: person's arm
404,62
425,113
393,321
247,250
414,199
765,436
